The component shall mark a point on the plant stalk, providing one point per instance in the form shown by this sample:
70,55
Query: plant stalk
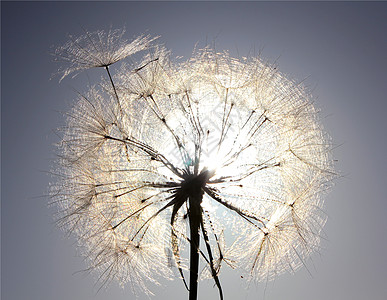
195,219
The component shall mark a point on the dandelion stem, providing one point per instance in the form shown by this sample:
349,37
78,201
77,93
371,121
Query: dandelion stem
192,187
195,219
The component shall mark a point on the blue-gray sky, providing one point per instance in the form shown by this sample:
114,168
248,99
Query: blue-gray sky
340,46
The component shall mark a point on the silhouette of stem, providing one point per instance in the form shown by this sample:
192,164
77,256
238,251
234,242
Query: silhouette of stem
195,220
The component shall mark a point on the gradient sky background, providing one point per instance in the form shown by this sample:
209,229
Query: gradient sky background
341,47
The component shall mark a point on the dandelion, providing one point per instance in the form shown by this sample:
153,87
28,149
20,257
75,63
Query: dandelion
225,156
98,49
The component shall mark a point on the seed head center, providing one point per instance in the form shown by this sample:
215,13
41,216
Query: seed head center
193,184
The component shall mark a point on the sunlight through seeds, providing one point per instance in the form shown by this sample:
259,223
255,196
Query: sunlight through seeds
220,157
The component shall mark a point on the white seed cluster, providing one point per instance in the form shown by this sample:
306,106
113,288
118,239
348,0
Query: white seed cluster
124,150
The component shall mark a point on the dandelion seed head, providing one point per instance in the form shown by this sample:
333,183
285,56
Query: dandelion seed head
247,138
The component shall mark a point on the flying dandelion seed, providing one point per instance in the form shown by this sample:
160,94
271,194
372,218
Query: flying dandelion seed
165,155
98,49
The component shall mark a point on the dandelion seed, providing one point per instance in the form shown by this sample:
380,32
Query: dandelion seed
98,49
189,153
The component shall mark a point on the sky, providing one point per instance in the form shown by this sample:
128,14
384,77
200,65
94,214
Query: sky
339,47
